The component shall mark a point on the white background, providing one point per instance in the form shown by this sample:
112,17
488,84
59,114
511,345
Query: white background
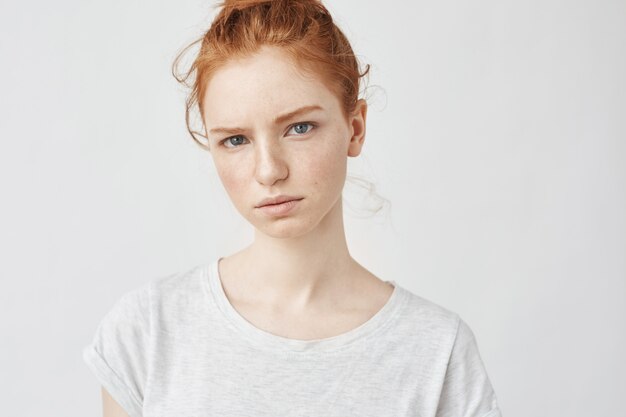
496,129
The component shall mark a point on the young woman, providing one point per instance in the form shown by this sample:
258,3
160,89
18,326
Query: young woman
290,325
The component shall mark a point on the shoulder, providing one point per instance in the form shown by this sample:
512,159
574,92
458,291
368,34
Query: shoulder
178,290
429,316
177,299
178,284
138,306
428,327
122,349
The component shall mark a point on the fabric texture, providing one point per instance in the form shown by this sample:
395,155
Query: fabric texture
176,347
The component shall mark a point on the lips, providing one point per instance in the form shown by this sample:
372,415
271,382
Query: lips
277,200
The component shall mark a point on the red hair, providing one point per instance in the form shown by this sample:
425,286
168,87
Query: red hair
303,28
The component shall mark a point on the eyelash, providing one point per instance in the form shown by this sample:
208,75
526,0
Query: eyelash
313,126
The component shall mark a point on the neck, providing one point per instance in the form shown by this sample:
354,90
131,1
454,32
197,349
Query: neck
298,271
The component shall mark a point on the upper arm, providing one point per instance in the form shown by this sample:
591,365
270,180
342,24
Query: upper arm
467,389
110,407
118,354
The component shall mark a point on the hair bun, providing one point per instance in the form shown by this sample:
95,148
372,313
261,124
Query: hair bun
304,28
244,4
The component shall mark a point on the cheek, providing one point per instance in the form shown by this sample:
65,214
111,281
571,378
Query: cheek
232,179
330,161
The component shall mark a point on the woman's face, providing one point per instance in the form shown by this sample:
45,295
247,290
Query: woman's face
272,130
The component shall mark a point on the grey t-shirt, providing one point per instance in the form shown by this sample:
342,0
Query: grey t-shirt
176,347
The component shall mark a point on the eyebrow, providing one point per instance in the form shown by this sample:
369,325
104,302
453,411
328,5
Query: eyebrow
280,119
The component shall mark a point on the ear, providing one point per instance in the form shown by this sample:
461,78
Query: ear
357,124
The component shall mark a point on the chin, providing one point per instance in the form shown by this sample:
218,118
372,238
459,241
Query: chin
283,227
286,228
297,224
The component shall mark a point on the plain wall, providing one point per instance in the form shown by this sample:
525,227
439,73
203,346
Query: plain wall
497,130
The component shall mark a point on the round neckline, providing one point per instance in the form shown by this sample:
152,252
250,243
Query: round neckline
267,340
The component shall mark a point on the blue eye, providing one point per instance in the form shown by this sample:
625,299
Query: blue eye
298,127
227,140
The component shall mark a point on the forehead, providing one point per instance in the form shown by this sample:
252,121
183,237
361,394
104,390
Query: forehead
262,84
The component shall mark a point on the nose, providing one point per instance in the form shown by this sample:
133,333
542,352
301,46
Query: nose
270,164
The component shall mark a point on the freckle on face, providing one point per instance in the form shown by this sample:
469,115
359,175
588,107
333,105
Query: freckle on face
250,93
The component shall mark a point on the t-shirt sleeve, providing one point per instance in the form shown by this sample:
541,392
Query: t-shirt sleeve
117,354
467,390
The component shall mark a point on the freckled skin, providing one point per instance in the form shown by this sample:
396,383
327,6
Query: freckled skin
326,297
274,159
